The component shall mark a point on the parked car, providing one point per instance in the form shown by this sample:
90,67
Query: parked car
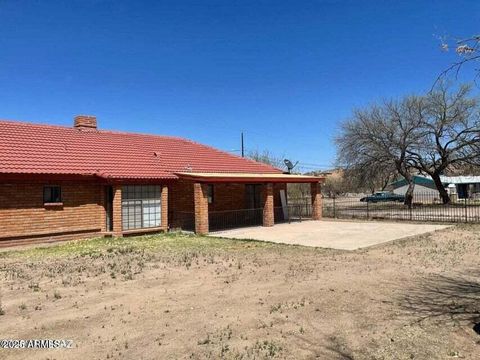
383,196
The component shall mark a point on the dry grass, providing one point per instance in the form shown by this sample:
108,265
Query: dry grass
182,296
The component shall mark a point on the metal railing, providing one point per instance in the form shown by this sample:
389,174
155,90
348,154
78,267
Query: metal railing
228,219
293,212
425,207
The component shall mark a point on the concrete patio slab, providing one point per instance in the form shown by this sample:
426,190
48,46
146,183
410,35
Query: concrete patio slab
343,235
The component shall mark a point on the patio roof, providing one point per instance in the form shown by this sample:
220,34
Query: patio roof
249,177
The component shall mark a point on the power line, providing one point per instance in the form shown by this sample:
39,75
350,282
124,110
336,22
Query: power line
314,164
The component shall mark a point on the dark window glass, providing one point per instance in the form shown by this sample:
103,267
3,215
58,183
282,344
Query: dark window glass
210,194
52,194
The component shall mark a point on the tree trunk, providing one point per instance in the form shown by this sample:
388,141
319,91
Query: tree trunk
385,183
409,193
441,189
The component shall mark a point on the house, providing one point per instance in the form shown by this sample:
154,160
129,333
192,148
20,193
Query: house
461,187
69,182
423,186
466,187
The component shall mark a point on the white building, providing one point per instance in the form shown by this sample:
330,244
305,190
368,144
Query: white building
460,186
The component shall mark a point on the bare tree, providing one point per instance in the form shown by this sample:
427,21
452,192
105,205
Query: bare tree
369,179
468,52
450,134
374,142
334,184
266,157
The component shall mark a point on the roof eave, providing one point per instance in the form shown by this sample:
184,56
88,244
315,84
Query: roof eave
249,178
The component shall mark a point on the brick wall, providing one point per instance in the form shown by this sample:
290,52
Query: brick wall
228,197
22,212
180,196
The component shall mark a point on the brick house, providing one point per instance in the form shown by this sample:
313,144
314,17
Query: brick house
73,182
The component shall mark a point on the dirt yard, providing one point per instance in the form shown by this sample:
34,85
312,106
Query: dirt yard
179,296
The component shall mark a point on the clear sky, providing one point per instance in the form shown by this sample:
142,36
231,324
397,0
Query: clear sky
285,72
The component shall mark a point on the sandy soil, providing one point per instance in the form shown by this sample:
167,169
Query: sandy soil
413,299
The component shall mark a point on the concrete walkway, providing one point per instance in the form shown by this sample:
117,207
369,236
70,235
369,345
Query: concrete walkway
343,235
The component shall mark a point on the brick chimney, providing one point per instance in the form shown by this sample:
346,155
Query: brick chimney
85,122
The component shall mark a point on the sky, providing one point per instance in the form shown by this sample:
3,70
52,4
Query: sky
286,73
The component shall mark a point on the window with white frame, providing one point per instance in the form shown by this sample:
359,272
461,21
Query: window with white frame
141,206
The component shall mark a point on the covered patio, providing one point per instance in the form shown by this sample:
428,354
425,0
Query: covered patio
205,202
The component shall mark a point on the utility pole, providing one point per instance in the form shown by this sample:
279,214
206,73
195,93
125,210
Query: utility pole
243,153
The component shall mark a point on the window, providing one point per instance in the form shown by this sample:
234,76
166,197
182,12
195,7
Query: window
52,194
210,194
140,206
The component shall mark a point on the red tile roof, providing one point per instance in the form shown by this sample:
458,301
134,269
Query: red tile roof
45,149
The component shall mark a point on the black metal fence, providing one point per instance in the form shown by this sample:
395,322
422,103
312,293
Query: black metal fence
230,219
220,220
293,212
425,207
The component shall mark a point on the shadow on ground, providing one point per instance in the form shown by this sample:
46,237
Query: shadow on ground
446,299
335,348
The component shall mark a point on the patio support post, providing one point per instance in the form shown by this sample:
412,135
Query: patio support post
315,191
268,219
117,210
200,192
103,218
164,209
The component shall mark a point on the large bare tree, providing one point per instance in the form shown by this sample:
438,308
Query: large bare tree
374,142
468,52
431,134
450,134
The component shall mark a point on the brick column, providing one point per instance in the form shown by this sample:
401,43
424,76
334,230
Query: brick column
103,208
117,210
164,210
268,218
315,191
200,192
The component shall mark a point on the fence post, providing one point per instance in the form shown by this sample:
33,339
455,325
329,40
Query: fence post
334,210
466,209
